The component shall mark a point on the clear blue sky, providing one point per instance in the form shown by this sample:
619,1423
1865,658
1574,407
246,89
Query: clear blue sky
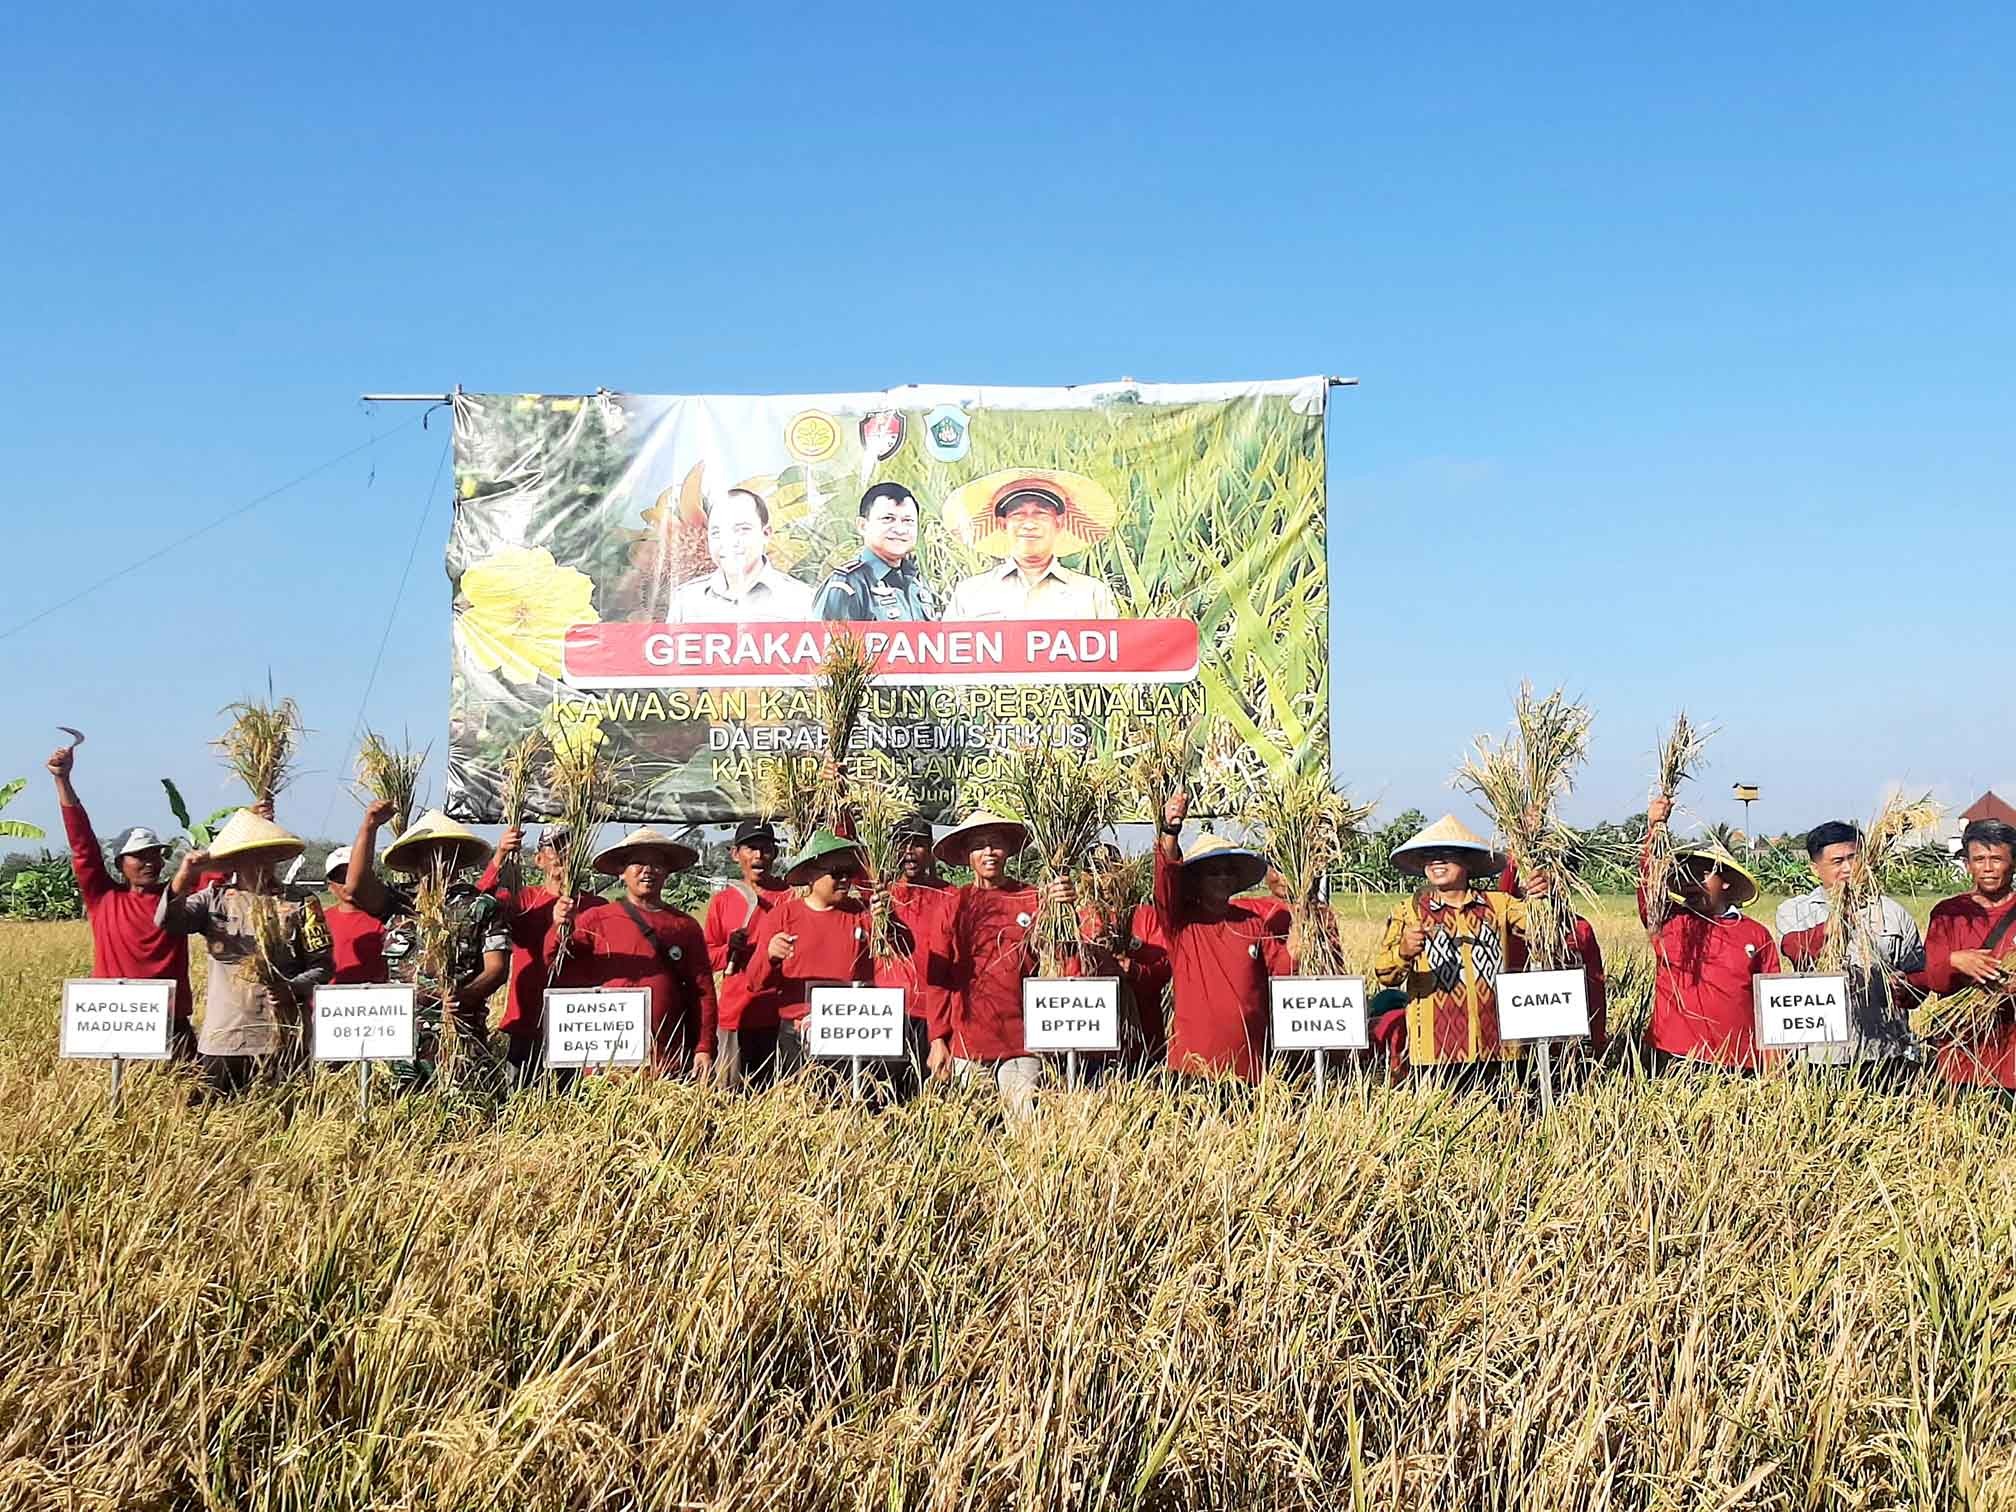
1684,337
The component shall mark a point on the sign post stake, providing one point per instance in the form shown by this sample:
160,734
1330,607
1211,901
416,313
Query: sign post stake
1070,1070
1322,1071
1546,1056
118,1080
363,1087
857,1078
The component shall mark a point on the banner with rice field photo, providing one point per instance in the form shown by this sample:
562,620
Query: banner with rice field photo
660,576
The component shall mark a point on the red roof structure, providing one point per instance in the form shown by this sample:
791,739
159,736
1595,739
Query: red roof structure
1988,806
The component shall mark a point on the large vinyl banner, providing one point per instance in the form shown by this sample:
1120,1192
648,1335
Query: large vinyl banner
1027,565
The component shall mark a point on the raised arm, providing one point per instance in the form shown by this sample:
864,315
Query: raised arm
87,857
361,875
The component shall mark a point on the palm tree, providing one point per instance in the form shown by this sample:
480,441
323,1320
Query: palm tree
16,829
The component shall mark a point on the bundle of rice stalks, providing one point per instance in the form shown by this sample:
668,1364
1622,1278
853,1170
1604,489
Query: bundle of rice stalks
266,965
839,693
1521,780
1161,756
1115,886
788,794
519,761
1305,826
1966,1017
879,810
434,960
259,744
588,791
391,773
1855,911
1068,801
1678,757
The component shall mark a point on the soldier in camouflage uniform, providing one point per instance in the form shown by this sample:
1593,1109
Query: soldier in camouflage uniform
455,960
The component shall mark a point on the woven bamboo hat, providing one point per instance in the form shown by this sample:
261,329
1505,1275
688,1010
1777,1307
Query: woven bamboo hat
818,853
955,846
247,837
1085,509
678,855
1743,887
435,834
1446,833
1252,865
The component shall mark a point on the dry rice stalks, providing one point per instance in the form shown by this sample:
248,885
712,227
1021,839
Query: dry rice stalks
1116,886
1521,780
259,745
839,692
588,791
1966,1017
434,957
519,762
1303,825
391,773
1067,800
1855,912
788,794
1678,757
1162,757
879,810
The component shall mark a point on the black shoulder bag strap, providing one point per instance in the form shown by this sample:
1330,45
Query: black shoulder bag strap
2000,932
677,967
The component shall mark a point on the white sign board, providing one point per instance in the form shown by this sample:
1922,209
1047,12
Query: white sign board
1318,1013
364,1022
847,1021
1801,1010
597,1026
1542,1005
118,1019
1070,1013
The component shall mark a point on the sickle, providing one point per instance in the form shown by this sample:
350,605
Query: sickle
76,736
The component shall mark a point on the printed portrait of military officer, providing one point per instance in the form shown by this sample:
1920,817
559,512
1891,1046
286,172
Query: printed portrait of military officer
745,584
1030,518
883,583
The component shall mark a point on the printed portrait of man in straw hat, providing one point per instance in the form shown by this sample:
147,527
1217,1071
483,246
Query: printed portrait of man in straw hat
1030,517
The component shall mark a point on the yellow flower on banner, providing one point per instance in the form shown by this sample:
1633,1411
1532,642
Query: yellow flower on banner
571,726
521,603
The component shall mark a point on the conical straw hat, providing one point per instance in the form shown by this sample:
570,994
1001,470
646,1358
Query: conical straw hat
1252,865
246,836
802,868
435,834
1446,833
678,855
1088,514
1742,885
955,847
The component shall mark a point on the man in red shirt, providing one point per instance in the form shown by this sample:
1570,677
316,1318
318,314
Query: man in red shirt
922,903
1221,952
126,940
1970,941
1704,957
989,958
528,914
356,938
819,936
748,1036
638,940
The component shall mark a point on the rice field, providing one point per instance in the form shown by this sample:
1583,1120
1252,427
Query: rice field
1681,1293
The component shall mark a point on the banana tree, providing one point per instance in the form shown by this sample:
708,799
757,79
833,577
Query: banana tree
16,829
199,835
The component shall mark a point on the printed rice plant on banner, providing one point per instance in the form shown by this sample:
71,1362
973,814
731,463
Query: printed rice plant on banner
1061,566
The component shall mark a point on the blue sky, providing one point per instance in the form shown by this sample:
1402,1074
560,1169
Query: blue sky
1683,337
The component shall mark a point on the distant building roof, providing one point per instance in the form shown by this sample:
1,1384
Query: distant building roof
1988,806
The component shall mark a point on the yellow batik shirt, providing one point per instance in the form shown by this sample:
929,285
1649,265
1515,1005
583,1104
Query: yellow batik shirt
1452,986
